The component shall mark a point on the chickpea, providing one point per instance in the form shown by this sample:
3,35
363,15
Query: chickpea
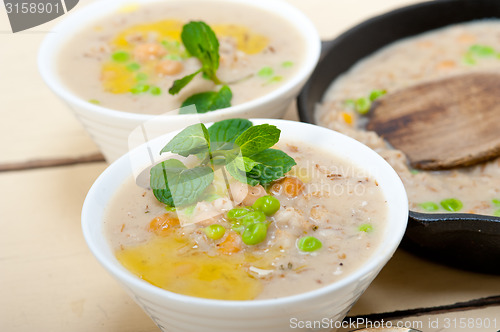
169,67
148,51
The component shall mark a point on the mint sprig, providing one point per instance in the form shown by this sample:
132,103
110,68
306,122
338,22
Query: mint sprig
201,42
236,144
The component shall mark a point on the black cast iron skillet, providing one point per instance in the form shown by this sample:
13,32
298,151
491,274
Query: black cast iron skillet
467,241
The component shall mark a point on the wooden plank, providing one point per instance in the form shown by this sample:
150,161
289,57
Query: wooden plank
55,162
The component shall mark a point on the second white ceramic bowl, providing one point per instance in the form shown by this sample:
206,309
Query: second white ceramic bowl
175,312
110,128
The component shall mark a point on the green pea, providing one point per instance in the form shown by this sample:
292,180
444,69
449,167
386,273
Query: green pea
214,231
287,64
253,217
139,88
120,56
238,227
367,228
141,77
309,243
265,72
189,210
155,91
267,204
496,202
482,50
275,79
133,66
173,57
172,46
429,206
375,94
414,171
254,233
237,213
452,204
496,213
362,105
468,59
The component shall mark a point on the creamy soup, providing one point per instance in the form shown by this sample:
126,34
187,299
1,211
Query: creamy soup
457,49
128,61
322,197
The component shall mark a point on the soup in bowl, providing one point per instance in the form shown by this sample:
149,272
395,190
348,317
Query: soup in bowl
294,227
117,65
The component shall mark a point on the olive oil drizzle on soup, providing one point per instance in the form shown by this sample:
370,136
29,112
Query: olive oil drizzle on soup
129,60
323,196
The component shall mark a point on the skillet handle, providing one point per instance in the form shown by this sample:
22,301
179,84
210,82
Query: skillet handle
325,47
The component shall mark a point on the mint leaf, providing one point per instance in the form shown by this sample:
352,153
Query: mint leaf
209,101
257,138
192,140
270,165
200,41
175,185
246,164
224,133
158,179
181,83
235,167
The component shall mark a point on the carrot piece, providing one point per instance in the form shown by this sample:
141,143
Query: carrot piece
347,117
447,64
290,186
163,225
231,245
466,38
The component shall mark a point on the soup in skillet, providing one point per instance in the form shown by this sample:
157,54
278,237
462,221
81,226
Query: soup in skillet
458,49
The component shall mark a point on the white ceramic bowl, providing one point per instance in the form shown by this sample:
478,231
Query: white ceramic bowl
174,312
110,128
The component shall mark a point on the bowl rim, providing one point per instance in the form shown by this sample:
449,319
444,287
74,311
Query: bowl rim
61,33
397,213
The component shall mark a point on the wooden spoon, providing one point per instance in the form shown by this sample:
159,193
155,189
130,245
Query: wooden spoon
452,122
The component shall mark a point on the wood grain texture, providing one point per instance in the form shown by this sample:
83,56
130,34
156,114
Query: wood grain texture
53,162
443,124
